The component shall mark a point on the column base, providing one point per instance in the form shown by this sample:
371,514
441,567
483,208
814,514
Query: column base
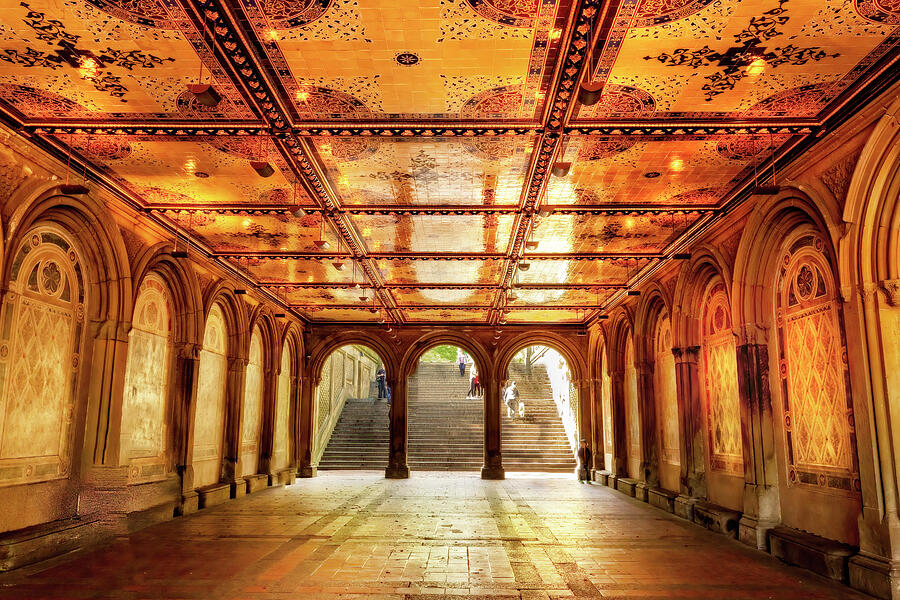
493,473
626,486
684,507
397,472
308,471
753,532
874,575
190,503
661,498
640,491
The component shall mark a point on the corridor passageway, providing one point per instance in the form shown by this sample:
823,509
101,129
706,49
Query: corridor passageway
357,535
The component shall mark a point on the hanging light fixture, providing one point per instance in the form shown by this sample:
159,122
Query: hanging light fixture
590,94
262,167
766,189
204,93
561,169
322,243
72,189
523,266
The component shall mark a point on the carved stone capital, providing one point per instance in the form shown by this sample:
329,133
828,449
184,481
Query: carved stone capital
188,350
237,363
892,290
686,353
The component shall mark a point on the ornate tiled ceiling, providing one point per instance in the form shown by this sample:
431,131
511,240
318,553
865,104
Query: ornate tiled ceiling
419,137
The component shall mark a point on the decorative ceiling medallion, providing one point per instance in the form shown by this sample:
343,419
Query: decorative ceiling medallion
512,13
288,14
594,149
619,101
656,12
502,102
879,11
802,101
149,13
407,59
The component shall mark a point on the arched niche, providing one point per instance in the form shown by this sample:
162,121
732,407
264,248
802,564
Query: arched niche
252,406
209,415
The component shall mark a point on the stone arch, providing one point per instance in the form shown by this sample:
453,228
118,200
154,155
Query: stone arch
321,350
778,231
657,389
258,399
418,347
574,356
287,397
625,417
706,264
86,228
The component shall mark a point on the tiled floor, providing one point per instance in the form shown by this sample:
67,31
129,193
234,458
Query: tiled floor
357,535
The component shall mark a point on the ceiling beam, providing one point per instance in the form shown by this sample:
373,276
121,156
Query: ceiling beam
456,256
443,209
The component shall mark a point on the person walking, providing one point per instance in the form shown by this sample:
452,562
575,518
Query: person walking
511,397
473,383
381,377
478,391
461,361
584,462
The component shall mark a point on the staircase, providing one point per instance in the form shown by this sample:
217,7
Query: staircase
360,438
538,442
445,430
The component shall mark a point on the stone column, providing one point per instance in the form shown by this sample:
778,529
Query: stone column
184,403
294,422
762,509
585,417
493,435
267,421
234,418
619,466
690,428
649,429
397,467
307,433
107,385
598,443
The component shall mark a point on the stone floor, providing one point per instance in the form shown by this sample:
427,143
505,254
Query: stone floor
355,535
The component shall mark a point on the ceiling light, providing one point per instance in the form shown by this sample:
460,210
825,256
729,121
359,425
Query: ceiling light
544,213
511,297
205,94
561,169
73,189
765,190
302,96
602,317
589,94
240,292
555,33
677,164
246,223
681,256
263,168
651,174
633,293
523,266
179,254
756,67
273,35
321,244
339,265
300,212
581,332
531,245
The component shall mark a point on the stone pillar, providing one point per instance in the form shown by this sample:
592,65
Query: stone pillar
234,418
762,509
619,466
307,425
184,403
267,419
397,467
649,429
598,443
690,428
294,422
585,417
493,442
103,428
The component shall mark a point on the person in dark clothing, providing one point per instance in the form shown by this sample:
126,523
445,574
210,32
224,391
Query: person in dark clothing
381,376
584,462
461,361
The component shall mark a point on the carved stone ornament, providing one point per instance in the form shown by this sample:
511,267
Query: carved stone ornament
892,290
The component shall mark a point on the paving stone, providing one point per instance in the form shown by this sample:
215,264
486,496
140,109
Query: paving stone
356,536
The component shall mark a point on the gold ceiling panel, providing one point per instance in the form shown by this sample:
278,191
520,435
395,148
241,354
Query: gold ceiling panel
408,272
427,172
280,232
175,171
559,297
738,59
323,295
443,316
419,297
293,270
435,233
97,59
578,272
544,316
342,314
393,59
674,171
567,233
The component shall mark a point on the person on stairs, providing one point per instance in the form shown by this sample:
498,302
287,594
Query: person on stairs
461,361
511,397
381,376
584,462
473,383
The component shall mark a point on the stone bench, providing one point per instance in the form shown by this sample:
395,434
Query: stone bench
820,555
214,494
40,542
661,498
717,518
286,476
256,482
626,485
